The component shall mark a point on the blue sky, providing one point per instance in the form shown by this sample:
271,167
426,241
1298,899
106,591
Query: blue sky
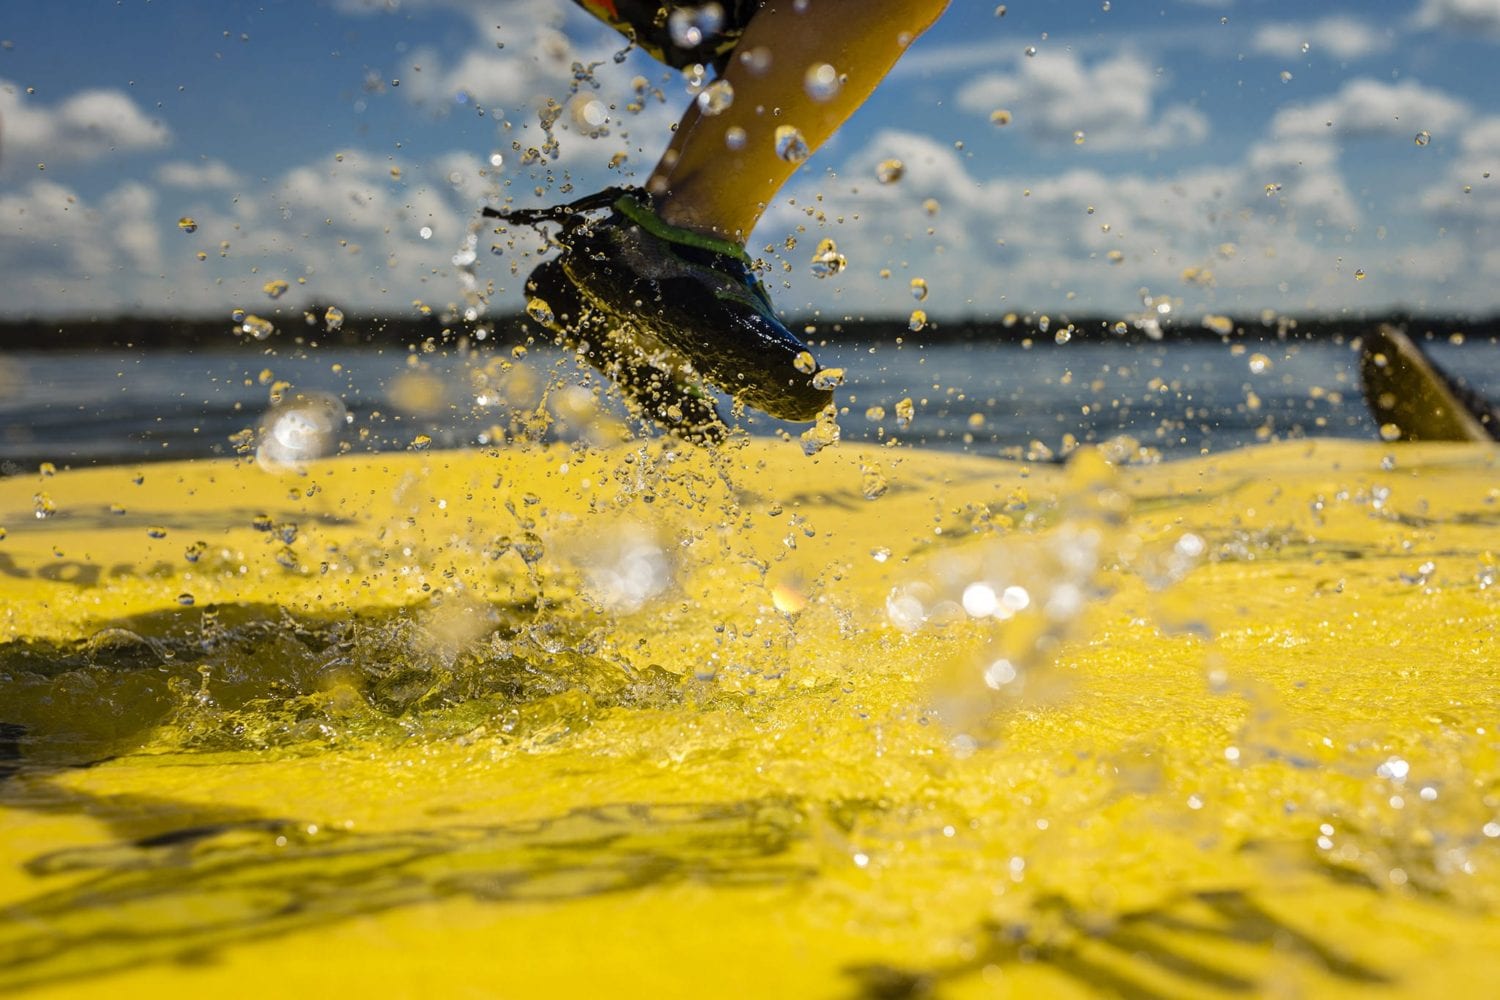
1236,157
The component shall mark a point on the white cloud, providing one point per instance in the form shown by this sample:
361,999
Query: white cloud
1053,96
203,175
1210,235
1467,199
1370,108
85,126
1343,36
1465,16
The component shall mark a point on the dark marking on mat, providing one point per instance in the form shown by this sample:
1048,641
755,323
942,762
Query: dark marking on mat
1142,955
148,900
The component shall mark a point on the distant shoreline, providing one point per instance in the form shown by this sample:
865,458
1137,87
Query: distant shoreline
293,329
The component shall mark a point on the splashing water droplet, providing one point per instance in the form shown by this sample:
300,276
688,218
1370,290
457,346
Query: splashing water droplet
889,171
906,412
257,327
821,81
1423,137
828,378
187,224
790,145
333,319
919,289
918,321
827,261
692,26
275,288
539,310
716,98
299,429
805,363
1359,275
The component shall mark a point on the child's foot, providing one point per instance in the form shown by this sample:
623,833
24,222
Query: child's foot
1414,400
687,303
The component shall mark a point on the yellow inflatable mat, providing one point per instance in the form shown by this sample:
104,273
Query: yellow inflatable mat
872,723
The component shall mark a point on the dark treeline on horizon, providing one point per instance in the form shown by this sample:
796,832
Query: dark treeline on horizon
148,332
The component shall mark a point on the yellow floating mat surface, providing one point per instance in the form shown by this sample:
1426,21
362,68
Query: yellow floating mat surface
558,721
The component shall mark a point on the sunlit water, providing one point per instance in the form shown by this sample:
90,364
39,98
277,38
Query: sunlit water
1175,398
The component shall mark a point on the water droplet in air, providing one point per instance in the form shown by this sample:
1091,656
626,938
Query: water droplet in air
827,261
1000,116
805,363
919,289
43,505
333,319
889,171
186,600
1271,189
828,378
275,288
821,81
156,531
256,327
1390,432
425,232
1259,364
716,98
300,428
690,26
539,310
872,482
421,442
187,224
734,137
906,412
790,145
1423,137
918,321
195,551
1359,275
1031,50
1079,137
497,159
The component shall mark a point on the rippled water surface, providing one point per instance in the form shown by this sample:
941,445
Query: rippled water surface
1178,398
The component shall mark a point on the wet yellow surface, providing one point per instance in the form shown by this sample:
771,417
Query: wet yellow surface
871,723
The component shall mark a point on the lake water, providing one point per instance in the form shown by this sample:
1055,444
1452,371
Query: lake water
1179,398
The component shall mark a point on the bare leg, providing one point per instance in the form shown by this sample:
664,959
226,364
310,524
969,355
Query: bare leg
703,184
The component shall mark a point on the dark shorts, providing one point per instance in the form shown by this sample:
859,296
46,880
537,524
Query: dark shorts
644,22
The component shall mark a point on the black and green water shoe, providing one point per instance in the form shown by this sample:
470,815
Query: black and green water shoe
671,299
